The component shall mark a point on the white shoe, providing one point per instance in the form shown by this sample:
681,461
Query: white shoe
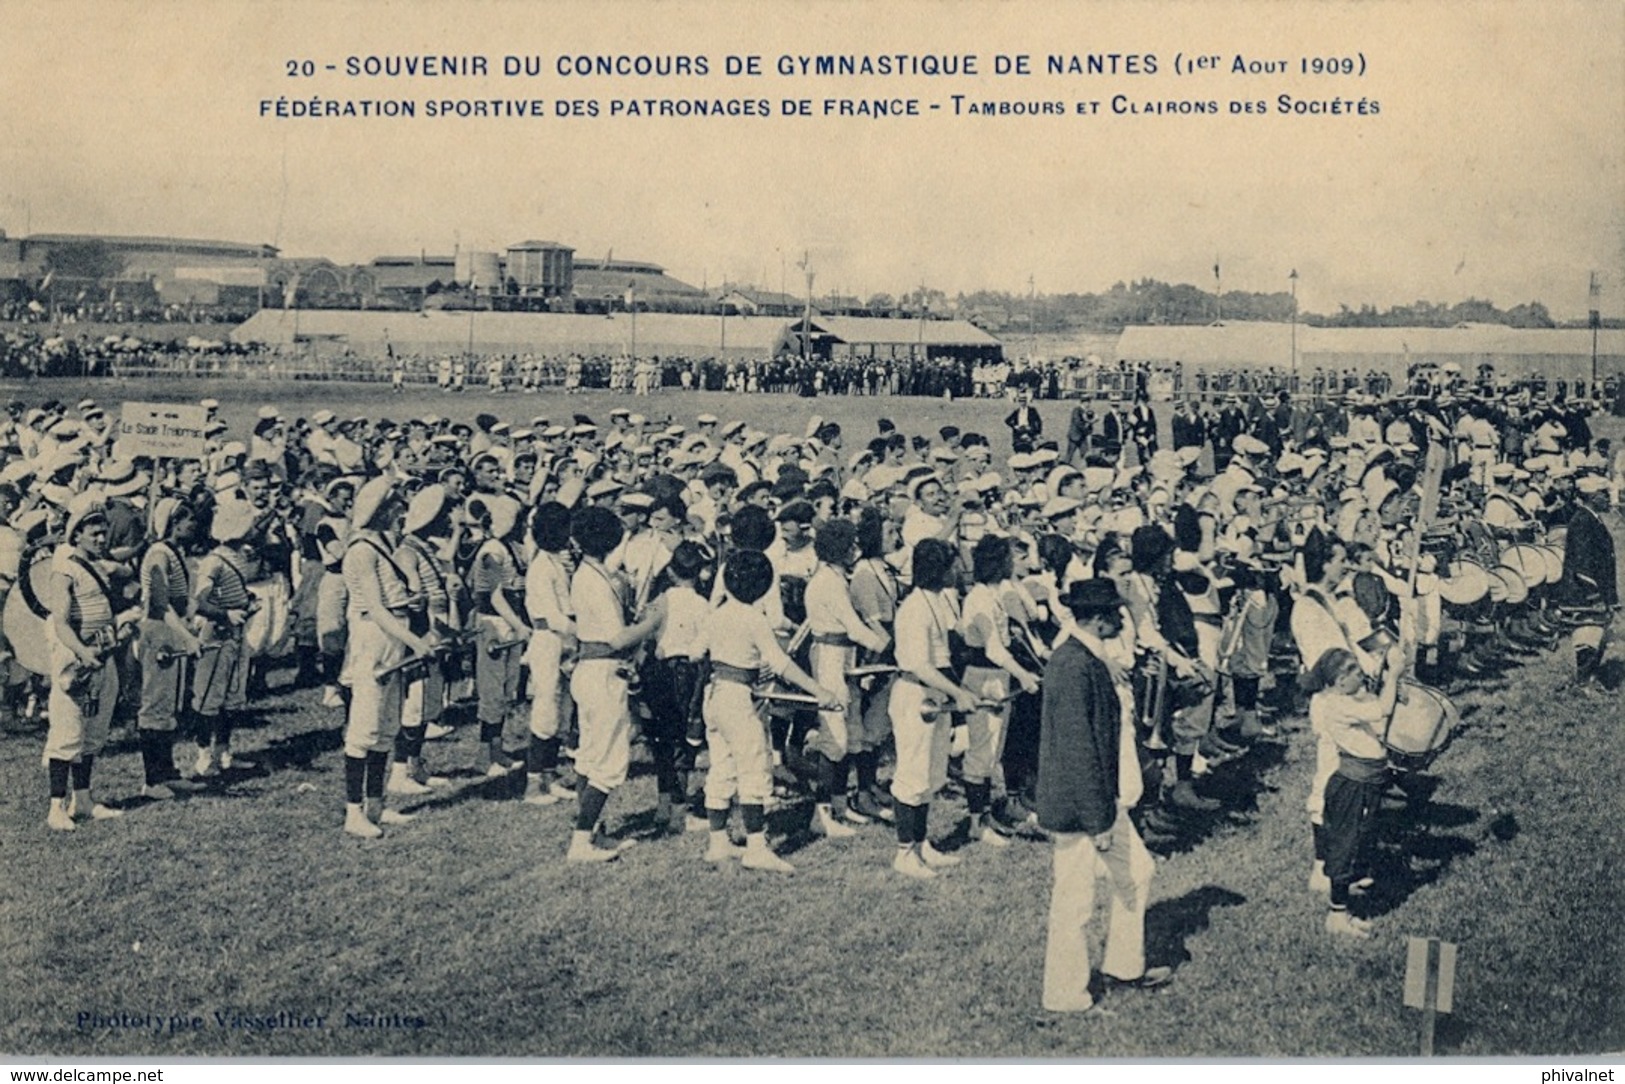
401,783
1319,883
936,859
357,824
559,790
395,816
985,833
909,864
536,794
826,825
225,759
59,819
157,792
691,823
331,697
496,771
1199,765
723,850
84,809
762,858
205,767
582,851
1344,924
435,731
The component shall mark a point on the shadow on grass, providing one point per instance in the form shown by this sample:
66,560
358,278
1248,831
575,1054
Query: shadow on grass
1169,924
1234,784
298,752
1410,853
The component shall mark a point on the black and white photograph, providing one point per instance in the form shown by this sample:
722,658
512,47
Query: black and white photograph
809,530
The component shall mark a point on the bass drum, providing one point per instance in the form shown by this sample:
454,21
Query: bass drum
1529,562
1554,563
1423,722
26,615
1467,583
1512,588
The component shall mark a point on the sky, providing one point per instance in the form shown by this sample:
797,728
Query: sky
1494,168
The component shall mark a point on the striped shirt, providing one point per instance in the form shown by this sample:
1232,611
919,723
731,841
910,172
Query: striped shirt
369,561
221,582
427,573
89,609
165,586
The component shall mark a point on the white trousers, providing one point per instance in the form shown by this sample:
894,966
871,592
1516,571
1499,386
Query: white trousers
1128,868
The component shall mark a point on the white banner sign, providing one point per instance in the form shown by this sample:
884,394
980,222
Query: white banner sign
171,430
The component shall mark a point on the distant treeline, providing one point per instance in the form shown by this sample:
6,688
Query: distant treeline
1148,301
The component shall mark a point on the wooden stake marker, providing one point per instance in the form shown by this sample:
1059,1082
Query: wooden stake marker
1430,981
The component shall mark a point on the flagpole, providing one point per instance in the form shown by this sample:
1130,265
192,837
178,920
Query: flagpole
1596,322
1218,293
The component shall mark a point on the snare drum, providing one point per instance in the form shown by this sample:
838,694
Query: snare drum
1423,721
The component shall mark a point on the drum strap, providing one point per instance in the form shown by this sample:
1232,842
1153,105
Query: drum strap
400,577
186,577
100,581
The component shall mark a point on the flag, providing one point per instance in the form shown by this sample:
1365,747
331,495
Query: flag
1215,269
1596,309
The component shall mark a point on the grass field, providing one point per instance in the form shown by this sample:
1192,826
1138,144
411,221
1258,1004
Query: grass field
248,899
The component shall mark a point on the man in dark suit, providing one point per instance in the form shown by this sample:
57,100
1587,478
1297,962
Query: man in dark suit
1231,424
1189,430
1024,422
1079,429
1143,424
1113,431
1088,780
1590,584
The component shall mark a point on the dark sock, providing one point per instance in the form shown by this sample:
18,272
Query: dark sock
355,774
57,772
489,732
534,757
922,823
547,753
755,818
154,752
332,665
824,781
904,817
717,819
414,740
866,762
1319,831
665,766
400,754
591,807
81,772
222,730
1182,767
376,762
978,796
1585,661
780,732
